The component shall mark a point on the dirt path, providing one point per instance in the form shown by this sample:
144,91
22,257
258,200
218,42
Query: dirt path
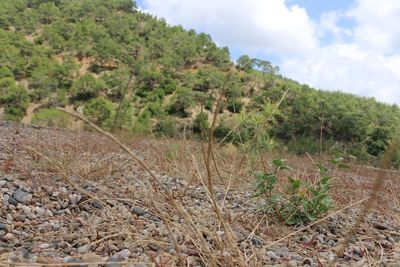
30,111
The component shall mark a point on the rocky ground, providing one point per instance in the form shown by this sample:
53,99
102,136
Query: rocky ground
72,198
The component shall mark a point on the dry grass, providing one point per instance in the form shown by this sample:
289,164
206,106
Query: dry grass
81,159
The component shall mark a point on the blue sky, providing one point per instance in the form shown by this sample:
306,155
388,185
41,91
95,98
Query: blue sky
347,45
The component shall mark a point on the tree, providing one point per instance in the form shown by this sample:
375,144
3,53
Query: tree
106,50
16,101
245,63
86,87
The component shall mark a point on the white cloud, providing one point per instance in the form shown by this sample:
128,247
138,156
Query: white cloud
258,25
363,59
378,26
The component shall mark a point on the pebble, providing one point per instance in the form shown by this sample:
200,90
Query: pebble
138,211
123,254
112,262
12,201
3,226
84,248
21,196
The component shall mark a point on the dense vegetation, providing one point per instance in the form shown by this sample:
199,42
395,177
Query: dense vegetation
130,71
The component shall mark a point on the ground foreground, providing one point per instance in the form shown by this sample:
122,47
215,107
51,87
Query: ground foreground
75,198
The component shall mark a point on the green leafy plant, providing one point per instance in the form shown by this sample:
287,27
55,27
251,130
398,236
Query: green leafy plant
297,201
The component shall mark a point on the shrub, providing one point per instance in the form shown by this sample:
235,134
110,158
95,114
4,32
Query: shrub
304,144
299,201
51,118
165,128
234,105
16,101
209,104
99,110
182,101
200,123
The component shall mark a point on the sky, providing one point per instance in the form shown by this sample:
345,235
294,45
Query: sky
347,45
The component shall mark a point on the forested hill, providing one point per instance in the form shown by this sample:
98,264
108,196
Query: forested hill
128,70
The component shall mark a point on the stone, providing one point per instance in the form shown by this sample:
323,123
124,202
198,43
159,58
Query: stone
21,196
3,227
290,264
20,218
123,254
113,262
2,183
380,226
97,205
12,201
138,211
91,257
44,246
74,260
84,248
282,252
256,242
307,262
26,210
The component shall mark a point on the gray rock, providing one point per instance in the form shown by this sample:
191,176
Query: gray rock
3,227
69,259
271,254
26,210
2,183
123,254
381,226
256,242
20,218
12,201
307,262
84,248
44,246
112,262
282,252
138,211
97,205
21,196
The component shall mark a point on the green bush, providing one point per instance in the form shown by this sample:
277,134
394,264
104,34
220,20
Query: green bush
16,100
181,102
51,118
303,145
209,104
166,127
299,201
99,110
201,123
234,105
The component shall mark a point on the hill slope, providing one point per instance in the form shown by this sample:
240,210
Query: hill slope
128,70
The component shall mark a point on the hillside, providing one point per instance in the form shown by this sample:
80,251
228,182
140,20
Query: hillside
131,72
